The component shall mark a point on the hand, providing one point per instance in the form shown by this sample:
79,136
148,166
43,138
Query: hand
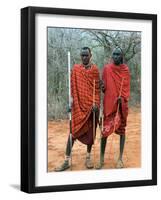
95,109
119,100
69,109
102,86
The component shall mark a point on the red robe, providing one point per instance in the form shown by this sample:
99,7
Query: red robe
82,85
113,76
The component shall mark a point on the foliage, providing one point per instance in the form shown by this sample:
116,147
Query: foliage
102,43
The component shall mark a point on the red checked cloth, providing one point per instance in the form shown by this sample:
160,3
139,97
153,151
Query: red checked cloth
112,77
82,86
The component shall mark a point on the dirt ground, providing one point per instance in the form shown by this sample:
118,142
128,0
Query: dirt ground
57,139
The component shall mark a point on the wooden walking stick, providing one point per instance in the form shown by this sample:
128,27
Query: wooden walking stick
101,118
70,114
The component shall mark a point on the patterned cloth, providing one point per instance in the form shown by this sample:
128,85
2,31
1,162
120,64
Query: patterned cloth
113,77
82,91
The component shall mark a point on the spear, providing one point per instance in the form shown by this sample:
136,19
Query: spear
70,114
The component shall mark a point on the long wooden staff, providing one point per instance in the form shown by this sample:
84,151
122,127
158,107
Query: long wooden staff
94,122
101,117
70,114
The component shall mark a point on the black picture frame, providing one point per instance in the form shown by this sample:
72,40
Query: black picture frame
28,98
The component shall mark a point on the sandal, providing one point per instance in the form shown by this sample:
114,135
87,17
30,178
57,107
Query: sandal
63,167
119,164
100,164
88,163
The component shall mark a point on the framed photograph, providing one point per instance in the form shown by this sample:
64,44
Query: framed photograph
88,99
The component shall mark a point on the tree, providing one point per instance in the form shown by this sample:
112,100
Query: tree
102,43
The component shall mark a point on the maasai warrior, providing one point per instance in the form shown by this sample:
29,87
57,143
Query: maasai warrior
84,82
116,88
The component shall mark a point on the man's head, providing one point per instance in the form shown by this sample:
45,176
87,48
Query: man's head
117,56
85,55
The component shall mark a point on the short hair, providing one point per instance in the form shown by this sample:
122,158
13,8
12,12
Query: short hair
122,59
86,48
117,47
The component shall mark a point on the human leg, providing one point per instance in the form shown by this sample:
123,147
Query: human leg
120,163
66,163
122,143
69,146
102,152
88,162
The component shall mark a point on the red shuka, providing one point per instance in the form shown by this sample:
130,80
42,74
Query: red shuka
82,81
113,75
